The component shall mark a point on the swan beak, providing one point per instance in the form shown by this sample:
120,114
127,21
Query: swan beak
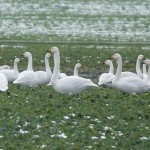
112,57
49,50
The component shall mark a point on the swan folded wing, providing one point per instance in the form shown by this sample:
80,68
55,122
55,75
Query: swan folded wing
105,78
10,75
3,82
28,78
43,78
73,84
133,85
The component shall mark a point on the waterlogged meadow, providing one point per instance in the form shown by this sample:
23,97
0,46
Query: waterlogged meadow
98,118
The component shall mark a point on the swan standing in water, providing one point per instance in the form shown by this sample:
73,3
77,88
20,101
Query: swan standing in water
132,85
106,78
3,83
11,74
68,85
76,69
27,77
44,77
4,67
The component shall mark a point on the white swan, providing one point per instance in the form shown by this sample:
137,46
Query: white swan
106,78
4,67
44,77
3,83
11,74
144,72
138,66
132,85
76,69
68,85
27,77
147,79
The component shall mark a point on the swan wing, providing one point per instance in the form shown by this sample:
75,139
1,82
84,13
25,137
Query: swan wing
3,83
131,85
43,78
105,78
72,85
28,78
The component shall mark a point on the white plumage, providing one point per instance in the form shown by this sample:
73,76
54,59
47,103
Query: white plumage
3,83
11,74
68,85
130,84
44,77
27,77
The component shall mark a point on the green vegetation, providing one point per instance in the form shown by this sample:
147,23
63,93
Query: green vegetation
99,118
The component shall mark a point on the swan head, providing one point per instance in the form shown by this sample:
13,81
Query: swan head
140,57
53,50
27,54
78,65
17,60
107,62
116,56
47,56
147,62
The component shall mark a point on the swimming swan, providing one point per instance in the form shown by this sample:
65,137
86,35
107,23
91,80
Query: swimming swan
132,85
68,85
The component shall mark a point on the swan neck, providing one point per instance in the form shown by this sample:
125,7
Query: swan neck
30,63
144,69
47,67
56,71
119,68
148,77
76,71
138,69
16,68
111,68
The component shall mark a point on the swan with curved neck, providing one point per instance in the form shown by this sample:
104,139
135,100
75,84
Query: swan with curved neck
147,62
144,72
3,83
132,85
76,69
12,74
27,77
68,85
44,77
138,65
105,79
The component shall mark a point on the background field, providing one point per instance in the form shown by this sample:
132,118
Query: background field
88,32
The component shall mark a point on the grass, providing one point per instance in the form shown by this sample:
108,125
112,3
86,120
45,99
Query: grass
99,118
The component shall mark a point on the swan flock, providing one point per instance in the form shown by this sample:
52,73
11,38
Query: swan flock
127,82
